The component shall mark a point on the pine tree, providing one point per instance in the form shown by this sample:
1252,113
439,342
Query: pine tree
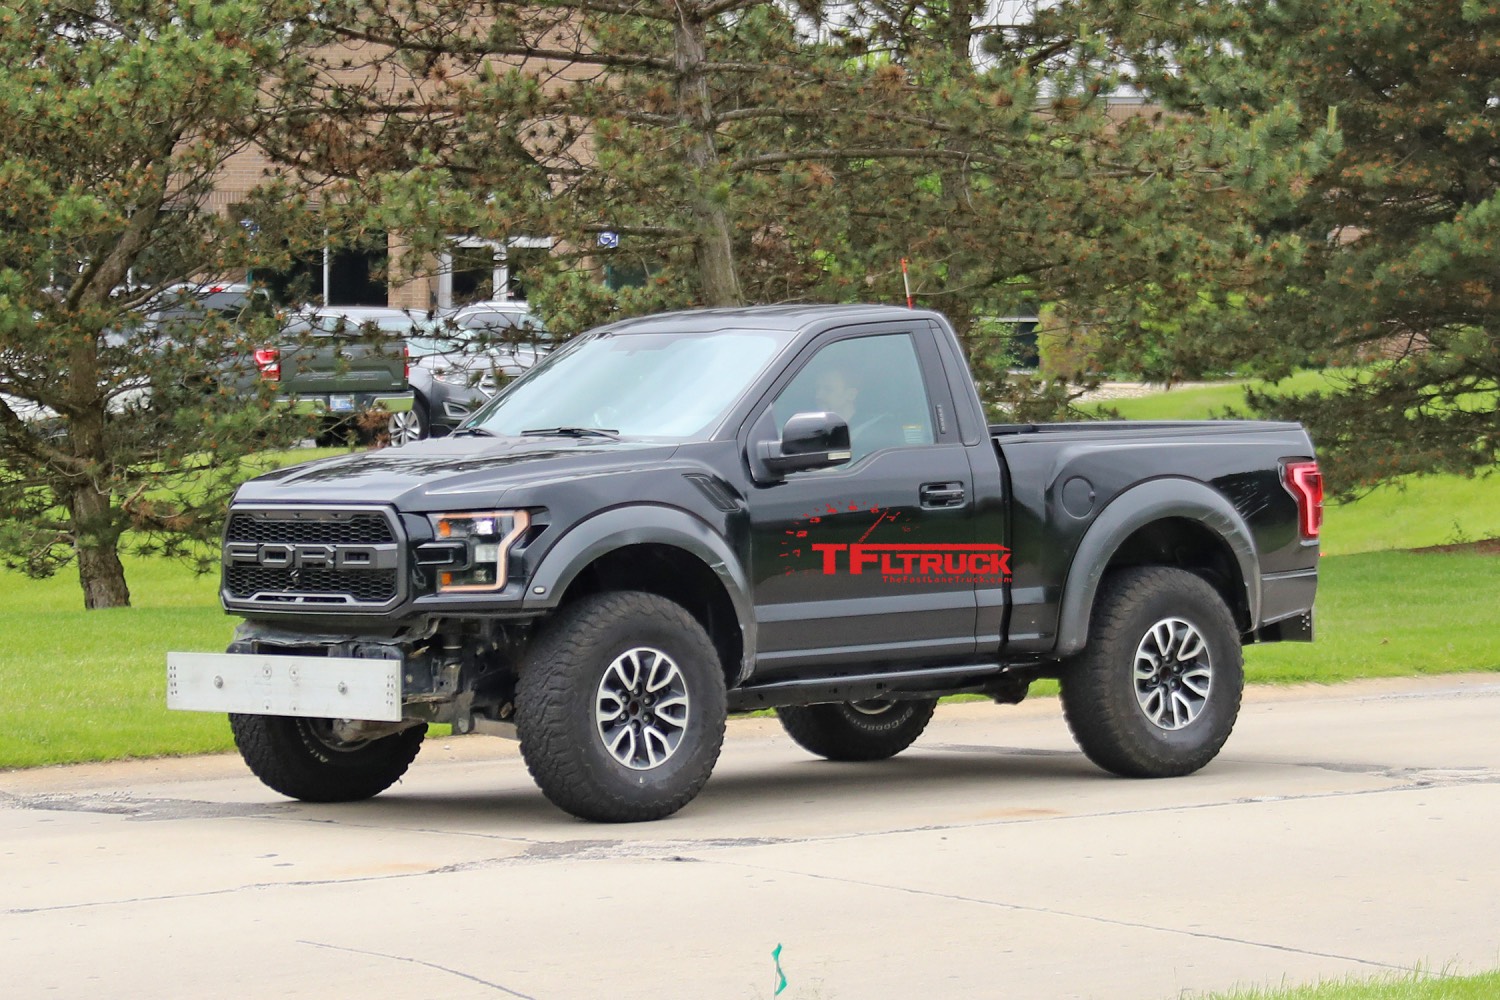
1383,261
753,151
115,119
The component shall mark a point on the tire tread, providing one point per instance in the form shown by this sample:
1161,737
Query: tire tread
1106,724
835,732
574,780
279,755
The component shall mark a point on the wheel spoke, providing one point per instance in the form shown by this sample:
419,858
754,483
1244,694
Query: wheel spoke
1183,710
1161,635
673,710
658,747
1192,647
1153,705
1197,681
633,658
609,708
622,734
660,674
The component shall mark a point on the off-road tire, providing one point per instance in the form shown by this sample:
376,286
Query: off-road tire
852,732
1100,689
558,697
292,756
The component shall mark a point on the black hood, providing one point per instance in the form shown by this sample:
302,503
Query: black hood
462,472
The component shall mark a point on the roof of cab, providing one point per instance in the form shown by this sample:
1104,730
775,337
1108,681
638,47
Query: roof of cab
782,317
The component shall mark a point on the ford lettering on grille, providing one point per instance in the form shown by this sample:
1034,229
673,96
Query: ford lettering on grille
291,559
275,555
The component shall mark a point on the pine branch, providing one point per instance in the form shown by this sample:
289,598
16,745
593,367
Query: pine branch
853,153
578,55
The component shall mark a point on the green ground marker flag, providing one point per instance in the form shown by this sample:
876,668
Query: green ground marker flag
780,976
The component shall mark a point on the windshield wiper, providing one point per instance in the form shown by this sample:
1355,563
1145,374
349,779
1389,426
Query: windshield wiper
472,431
573,432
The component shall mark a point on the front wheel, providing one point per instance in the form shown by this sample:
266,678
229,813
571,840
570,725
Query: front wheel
305,759
621,707
857,730
1156,691
406,426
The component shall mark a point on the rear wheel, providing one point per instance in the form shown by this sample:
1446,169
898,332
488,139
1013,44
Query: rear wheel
305,759
859,730
620,708
1156,692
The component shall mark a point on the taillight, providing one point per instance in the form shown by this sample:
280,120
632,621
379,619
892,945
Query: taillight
268,360
406,353
1305,482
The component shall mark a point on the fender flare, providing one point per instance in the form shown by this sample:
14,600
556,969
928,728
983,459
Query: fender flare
641,524
1131,511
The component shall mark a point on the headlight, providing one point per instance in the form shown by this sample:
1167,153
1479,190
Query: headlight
488,537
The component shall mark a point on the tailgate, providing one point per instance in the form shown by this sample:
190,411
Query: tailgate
337,363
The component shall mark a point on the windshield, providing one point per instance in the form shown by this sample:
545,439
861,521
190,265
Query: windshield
501,321
496,332
651,385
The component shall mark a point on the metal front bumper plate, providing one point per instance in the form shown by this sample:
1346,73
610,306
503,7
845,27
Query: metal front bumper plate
317,687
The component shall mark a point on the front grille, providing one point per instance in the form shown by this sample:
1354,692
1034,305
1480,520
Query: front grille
312,559
310,527
278,585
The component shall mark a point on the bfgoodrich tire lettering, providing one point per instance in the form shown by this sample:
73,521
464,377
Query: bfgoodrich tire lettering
302,759
1156,691
610,655
859,730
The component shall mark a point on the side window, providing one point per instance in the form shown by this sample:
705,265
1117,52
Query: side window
874,383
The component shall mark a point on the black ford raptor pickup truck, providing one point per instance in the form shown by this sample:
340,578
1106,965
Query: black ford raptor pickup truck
789,507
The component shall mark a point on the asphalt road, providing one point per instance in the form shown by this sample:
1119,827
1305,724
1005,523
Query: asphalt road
1344,831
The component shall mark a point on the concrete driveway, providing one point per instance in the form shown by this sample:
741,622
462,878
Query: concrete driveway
1344,831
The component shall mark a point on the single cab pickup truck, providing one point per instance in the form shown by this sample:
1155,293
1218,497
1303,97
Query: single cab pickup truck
791,507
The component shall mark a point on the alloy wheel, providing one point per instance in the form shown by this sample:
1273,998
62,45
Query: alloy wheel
642,708
1173,673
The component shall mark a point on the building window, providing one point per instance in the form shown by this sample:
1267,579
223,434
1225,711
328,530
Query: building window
478,270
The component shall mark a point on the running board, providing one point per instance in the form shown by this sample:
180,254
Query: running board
930,681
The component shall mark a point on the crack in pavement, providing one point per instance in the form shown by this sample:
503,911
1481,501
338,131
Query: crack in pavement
540,852
153,809
418,961
1413,779
682,851
1049,911
156,809
168,897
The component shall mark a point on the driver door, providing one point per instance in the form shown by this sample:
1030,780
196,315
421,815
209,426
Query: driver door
848,562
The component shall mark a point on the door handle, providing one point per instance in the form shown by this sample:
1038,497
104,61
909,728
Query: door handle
941,495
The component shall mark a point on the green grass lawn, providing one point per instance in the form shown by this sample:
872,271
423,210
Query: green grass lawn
1387,614
1201,402
91,685
1412,987
1408,514
1416,512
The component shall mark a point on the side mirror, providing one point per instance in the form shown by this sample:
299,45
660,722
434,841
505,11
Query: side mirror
808,441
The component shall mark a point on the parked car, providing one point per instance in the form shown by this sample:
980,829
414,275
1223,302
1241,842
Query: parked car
190,299
790,507
342,363
460,361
